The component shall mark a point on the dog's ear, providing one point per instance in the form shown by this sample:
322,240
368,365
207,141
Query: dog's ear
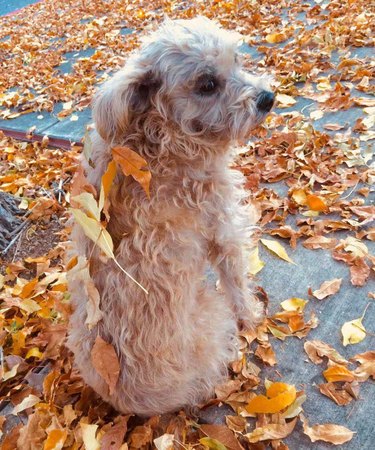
121,99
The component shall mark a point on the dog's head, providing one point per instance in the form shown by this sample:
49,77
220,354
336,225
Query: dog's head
188,74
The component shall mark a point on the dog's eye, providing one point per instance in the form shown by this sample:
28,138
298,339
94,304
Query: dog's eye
208,86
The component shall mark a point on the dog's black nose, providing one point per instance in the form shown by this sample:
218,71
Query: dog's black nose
265,101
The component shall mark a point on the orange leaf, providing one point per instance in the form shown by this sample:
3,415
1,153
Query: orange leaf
338,373
279,396
133,164
316,203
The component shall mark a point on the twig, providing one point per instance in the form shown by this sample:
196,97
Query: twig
11,243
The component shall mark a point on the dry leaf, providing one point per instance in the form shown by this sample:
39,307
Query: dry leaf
27,402
317,349
328,288
133,164
89,436
339,396
271,431
222,434
338,373
359,272
367,365
334,434
114,437
105,361
164,442
276,248
316,203
353,332
255,265
294,304
55,440
212,444
279,396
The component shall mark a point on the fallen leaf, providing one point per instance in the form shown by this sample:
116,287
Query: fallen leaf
367,365
294,304
339,396
279,396
276,248
133,164
353,332
328,288
212,444
317,349
236,423
28,402
271,431
89,436
334,434
164,442
105,361
255,264
338,373
55,440
114,437
275,38
359,272
284,101
222,434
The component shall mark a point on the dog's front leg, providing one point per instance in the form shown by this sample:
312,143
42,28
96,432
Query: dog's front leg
230,261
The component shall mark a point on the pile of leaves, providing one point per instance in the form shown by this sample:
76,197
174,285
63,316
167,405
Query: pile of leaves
309,185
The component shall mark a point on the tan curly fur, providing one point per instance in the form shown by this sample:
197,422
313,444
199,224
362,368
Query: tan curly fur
175,343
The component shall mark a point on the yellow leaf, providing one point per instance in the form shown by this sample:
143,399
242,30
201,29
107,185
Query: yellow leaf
277,248
279,396
94,231
300,197
28,288
88,436
338,373
55,440
284,101
87,201
212,444
34,352
294,304
275,38
133,164
255,264
316,203
353,332
29,305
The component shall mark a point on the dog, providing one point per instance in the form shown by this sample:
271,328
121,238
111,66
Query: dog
182,102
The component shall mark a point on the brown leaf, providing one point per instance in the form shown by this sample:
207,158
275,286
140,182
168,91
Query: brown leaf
367,365
271,431
140,436
266,354
317,349
236,423
359,272
339,396
114,437
328,432
316,242
105,361
222,434
328,288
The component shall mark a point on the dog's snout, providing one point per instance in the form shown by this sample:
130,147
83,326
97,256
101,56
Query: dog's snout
265,101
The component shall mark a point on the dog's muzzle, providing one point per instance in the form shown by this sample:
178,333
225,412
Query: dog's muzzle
265,101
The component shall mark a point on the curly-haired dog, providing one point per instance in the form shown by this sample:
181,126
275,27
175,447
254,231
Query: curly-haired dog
181,102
